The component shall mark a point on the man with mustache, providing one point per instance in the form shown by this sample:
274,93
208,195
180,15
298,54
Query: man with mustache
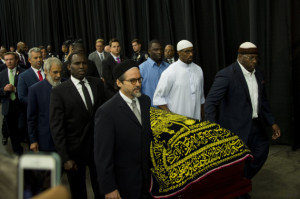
73,104
122,137
38,107
152,68
180,87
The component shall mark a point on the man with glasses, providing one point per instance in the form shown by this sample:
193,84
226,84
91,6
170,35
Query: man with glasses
122,137
180,87
238,95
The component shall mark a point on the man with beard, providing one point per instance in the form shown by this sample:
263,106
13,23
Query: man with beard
38,107
122,137
180,88
152,68
73,104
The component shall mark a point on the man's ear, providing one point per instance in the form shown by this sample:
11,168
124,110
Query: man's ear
119,83
69,67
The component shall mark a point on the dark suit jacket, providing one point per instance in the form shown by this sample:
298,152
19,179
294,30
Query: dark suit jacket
5,96
38,115
91,71
166,60
70,122
96,59
26,79
108,66
122,147
139,57
230,93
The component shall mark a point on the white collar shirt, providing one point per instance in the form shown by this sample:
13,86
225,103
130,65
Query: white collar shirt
36,72
129,101
78,86
253,89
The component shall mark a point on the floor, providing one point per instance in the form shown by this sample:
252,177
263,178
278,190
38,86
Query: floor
278,179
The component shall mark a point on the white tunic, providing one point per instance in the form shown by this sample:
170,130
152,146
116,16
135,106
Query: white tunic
180,87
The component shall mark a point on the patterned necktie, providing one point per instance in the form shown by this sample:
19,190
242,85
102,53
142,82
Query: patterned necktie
136,111
22,59
12,82
40,75
87,97
118,60
101,57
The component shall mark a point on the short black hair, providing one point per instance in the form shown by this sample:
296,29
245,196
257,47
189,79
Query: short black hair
113,40
152,42
136,40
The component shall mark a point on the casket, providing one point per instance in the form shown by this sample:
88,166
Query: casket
193,159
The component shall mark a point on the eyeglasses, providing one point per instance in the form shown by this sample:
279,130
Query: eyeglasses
133,81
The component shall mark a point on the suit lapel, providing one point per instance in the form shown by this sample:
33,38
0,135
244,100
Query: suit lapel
259,81
127,111
76,96
144,110
242,80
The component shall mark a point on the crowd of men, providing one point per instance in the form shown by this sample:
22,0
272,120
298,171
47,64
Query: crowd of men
94,110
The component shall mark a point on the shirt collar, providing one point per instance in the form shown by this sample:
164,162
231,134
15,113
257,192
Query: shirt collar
77,81
35,70
14,69
153,63
184,64
127,99
115,56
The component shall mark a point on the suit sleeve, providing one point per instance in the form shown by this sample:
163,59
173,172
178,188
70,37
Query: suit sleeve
32,114
22,90
104,137
265,108
57,124
216,94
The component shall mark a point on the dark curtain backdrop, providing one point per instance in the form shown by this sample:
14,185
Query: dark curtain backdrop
216,27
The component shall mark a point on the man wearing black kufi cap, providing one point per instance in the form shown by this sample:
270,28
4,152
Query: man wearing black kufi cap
122,137
238,93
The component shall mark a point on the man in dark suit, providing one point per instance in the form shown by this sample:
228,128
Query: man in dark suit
10,104
2,52
98,55
122,137
91,70
138,54
32,75
238,92
23,57
109,64
38,107
169,54
72,108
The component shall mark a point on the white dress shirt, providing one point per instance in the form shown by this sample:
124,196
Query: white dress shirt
129,101
101,55
77,84
36,72
253,89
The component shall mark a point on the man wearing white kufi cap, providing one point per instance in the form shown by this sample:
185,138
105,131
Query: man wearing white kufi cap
180,87
238,94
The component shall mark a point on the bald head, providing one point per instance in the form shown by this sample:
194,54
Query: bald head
21,47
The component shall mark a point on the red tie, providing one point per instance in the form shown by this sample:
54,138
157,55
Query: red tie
40,75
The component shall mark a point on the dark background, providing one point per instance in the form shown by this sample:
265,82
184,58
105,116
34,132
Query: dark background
215,27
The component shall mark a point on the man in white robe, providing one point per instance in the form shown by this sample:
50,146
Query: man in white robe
180,87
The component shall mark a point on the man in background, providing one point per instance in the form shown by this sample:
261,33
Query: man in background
38,107
138,54
180,88
152,68
98,55
169,54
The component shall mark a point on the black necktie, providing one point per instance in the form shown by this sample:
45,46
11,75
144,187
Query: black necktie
87,97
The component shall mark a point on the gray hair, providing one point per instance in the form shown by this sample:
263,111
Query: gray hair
34,49
50,61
